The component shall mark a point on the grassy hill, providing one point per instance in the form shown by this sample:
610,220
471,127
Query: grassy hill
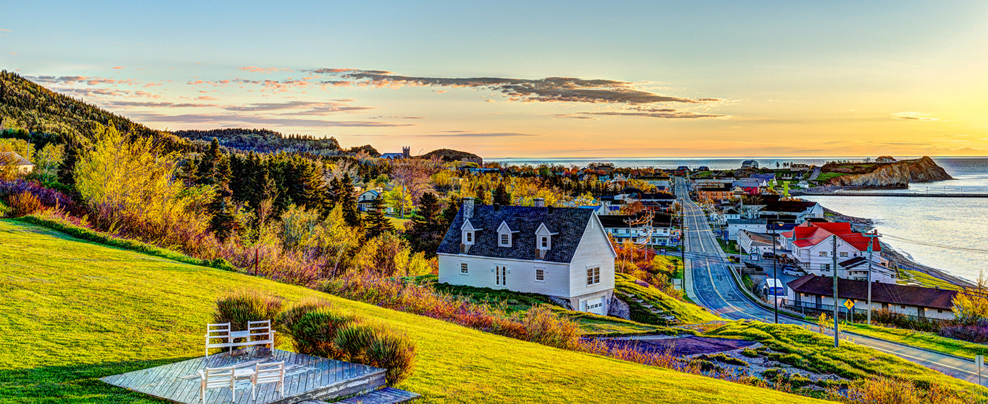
75,311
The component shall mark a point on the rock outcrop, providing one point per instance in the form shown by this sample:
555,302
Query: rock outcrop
895,175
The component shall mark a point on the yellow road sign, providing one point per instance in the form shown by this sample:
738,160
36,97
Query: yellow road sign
849,304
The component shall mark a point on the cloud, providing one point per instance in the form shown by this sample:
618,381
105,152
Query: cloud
118,68
151,104
575,116
672,114
239,119
299,107
395,117
913,116
255,69
5,30
460,133
551,89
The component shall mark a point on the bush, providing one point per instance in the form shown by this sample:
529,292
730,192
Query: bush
240,307
546,328
394,352
885,390
353,341
23,204
313,331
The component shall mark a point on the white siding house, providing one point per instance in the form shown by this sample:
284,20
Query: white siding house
812,292
558,252
811,245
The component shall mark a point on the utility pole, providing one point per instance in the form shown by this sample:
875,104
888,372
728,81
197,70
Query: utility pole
836,304
871,251
775,273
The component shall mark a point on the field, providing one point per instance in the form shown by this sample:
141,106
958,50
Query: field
926,280
75,311
827,176
920,339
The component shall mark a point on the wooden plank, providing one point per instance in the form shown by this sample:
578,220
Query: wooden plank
181,385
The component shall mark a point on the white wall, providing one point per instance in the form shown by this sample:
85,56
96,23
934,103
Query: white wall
733,228
861,306
594,250
520,276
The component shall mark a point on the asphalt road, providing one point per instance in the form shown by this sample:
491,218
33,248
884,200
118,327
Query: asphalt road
709,282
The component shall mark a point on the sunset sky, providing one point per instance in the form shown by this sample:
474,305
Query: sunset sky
531,79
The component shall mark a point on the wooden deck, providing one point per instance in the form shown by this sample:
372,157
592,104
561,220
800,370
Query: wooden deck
306,378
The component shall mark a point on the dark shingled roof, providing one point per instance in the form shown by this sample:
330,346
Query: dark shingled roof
788,206
618,221
569,223
880,292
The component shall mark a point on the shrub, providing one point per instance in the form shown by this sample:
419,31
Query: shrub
242,306
23,204
353,341
546,328
977,333
313,331
394,352
885,390
751,353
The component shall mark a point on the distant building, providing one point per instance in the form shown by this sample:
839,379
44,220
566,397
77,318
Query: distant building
366,199
559,252
799,167
734,226
654,233
802,211
757,243
406,152
749,164
19,164
817,293
713,192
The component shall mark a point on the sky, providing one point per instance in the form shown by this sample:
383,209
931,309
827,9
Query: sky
531,79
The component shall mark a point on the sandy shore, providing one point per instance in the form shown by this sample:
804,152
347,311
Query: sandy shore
865,225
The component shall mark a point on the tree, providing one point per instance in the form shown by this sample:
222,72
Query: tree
428,226
377,223
971,305
223,222
501,195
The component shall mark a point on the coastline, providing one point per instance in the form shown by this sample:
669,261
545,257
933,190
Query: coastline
895,257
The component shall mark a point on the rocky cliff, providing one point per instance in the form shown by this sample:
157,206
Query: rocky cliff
895,175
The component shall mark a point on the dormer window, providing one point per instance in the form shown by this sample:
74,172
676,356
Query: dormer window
504,235
544,242
469,236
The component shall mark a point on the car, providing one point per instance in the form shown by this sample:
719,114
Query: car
768,255
791,271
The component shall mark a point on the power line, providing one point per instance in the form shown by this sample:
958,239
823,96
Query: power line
941,246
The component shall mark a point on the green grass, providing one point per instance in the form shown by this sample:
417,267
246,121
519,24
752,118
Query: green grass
823,177
927,280
75,311
399,223
684,312
920,339
730,247
815,352
512,301
597,325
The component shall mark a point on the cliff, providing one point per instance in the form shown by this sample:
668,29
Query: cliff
895,175
453,155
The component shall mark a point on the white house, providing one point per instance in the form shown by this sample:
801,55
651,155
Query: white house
18,163
812,292
655,232
558,252
811,245
366,198
751,225
757,242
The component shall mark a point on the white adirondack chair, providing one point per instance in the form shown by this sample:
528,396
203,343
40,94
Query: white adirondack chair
268,373
257,333
215,378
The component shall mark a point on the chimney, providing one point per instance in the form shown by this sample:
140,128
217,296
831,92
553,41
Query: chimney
467,208
539,202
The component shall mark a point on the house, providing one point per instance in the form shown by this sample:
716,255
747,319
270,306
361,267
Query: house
366,199
800,167
563,253
406,152
749,164
817,293
752,225
748,186
758,243
713,192
656,232
811,245
16,162
802,210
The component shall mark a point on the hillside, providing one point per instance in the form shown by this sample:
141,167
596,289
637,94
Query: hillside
75,311
32,107
453,155
892,175
265,141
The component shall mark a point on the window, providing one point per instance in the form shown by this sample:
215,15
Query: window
843,254
902,306
823,253
593,276
463,268
824,266
939,311
545,242
539,275
469,237
505,240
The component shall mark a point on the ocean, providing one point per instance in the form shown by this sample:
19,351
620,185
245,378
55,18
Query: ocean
945,233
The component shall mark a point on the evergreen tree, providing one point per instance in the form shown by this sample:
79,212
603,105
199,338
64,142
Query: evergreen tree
347,199
427,227
208,163
501,195
223,222
377,223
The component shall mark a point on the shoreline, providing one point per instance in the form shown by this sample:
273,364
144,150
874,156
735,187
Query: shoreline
895,257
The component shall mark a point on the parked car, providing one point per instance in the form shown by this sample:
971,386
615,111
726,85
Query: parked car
791,271
768,255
